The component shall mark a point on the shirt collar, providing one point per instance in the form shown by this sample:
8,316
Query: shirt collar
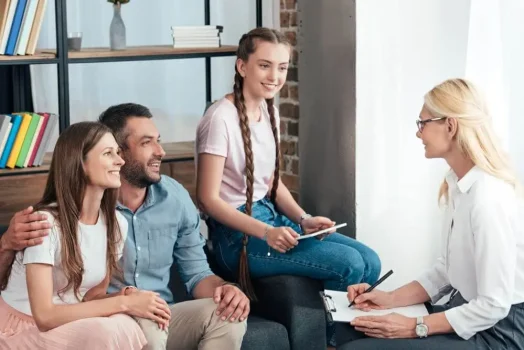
149,200
467,180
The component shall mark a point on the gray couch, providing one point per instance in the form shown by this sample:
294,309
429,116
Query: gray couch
289,313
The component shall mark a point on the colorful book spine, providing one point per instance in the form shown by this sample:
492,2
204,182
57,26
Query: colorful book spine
15,28
5,128
4,140
27,24
35,29
4,16
7,25
16,120
45,118
28,139
11,161
51,124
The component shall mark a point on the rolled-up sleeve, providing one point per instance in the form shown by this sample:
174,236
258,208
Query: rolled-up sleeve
189,248
495,261
435,281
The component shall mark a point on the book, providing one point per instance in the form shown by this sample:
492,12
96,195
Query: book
336,305
7,25
4,12
197,34
15,27
5,127
22,23
39,134
19,140
35,29
198,28
27,24
28,139
16,120
3,142
48,133
210,41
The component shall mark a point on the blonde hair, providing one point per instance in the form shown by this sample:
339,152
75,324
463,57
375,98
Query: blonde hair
460,99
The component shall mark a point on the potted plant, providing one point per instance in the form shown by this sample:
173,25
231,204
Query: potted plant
117,29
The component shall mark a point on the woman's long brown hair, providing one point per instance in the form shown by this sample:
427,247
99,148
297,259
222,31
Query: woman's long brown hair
246,47
63,198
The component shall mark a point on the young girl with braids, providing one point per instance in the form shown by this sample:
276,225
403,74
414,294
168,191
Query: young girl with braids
254,220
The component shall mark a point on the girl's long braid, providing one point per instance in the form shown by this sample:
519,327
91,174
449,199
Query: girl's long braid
243,269
276,175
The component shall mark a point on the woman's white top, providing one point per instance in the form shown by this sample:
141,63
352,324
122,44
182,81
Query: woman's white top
483,252
92,241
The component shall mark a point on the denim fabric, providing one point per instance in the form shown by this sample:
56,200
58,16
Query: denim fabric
337,260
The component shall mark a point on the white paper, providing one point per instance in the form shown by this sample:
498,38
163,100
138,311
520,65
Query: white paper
316,233
343,313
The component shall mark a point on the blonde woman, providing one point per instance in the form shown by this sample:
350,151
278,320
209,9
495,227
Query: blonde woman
482,264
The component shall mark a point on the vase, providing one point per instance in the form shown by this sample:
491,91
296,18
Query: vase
117,30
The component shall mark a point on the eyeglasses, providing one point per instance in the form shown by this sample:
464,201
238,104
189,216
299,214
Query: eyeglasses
422,123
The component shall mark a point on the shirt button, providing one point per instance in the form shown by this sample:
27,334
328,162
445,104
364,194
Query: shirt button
134,218
136,275
138,248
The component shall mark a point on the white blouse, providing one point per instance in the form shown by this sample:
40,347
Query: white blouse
483,252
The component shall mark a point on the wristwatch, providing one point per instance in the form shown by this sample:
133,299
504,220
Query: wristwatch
302,218
421,329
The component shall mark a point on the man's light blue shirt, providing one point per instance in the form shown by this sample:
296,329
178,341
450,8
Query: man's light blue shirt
164,230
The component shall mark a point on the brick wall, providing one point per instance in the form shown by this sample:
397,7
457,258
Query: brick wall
289,109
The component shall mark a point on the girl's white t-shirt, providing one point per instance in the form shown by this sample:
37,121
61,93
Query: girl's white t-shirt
219,133
92,240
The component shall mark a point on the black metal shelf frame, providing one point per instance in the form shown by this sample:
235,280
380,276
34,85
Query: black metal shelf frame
62,60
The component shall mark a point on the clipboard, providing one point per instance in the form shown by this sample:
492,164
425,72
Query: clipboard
329,305
337,310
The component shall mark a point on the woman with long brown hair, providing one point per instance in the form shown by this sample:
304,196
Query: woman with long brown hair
43,303
254,220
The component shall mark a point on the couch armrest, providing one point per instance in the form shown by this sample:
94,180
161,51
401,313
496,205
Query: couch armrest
294,302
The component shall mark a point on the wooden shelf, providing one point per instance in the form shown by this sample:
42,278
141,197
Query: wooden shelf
143,53
40,57
175,152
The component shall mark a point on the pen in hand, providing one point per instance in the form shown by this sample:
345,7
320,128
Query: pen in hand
382,279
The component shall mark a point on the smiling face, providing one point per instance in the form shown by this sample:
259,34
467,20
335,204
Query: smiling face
142,152
435,133
102,164
265,71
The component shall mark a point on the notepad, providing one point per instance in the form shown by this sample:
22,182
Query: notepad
336,304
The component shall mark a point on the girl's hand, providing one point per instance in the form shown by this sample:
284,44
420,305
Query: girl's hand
282,238
316,223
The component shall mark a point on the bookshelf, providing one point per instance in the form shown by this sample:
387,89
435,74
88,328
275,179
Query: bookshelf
175,151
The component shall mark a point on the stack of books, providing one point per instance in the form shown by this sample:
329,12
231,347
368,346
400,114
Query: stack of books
24,138
196,36
20,23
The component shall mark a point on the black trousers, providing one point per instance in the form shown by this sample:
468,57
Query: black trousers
507,334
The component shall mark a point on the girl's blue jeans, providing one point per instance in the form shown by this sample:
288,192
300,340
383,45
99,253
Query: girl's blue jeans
338,260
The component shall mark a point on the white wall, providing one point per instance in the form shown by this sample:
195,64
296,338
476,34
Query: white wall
512,29
404,48
173,89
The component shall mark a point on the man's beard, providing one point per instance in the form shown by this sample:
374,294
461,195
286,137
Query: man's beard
136,174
